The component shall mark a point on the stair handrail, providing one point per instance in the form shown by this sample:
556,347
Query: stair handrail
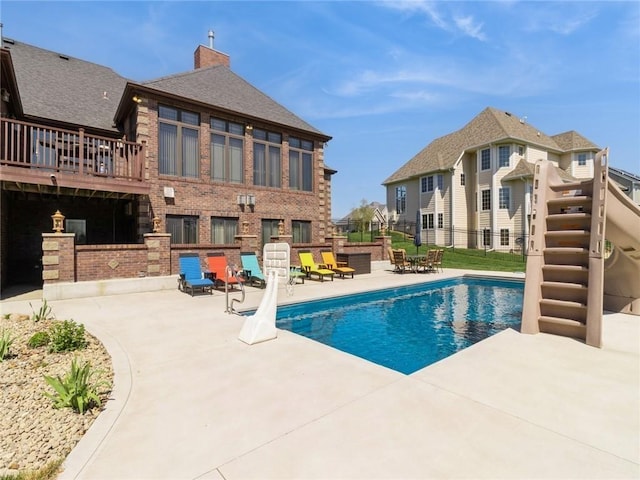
595,298
232,272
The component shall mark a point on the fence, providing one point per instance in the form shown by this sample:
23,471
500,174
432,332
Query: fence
502,241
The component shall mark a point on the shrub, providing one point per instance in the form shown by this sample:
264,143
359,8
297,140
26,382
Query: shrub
5,343
39,339
76,389
44,313
67,336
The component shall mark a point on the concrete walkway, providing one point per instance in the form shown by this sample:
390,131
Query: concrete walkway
191,401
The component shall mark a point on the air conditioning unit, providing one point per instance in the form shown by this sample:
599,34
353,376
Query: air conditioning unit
169,192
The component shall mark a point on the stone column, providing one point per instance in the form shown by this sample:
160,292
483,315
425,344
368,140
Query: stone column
249,243
158,254
283,239
337,243
385,241
58,257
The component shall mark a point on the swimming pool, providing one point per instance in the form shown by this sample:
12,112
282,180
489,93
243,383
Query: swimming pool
408,328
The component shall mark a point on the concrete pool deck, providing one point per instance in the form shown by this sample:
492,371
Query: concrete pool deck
191,401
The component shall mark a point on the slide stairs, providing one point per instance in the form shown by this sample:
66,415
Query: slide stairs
565,262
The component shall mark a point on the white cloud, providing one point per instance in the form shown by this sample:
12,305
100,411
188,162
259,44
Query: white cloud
563,19
470,28
464,24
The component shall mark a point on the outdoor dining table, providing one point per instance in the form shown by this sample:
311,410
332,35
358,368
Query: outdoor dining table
415,260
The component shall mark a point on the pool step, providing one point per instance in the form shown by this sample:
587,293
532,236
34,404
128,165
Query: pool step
562,326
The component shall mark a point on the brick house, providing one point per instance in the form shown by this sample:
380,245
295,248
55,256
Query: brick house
473,186
203,153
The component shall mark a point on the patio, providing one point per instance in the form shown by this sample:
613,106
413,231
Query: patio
192,401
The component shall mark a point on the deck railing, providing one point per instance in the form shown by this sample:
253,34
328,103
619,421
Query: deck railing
49,149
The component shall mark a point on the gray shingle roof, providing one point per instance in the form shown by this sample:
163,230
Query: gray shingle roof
490,126
70,90
522,169
525,169
65,89
572,140
220,87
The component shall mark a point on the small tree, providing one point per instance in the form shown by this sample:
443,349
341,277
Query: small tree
363,215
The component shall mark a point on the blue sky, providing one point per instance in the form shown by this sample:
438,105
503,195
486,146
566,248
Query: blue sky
382,78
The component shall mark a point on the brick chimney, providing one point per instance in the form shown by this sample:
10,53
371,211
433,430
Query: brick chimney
208,57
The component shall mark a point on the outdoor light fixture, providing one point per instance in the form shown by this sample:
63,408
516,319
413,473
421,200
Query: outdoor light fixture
246,199
58,221
137,99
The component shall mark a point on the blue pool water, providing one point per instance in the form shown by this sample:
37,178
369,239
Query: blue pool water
408,328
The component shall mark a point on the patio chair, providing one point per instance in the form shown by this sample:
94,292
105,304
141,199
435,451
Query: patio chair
310,267
341,268
251,269
391,259
191,275
428,262
437,263
217,262
400,261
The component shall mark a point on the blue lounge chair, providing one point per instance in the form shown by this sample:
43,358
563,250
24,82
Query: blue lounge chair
191,276
251,269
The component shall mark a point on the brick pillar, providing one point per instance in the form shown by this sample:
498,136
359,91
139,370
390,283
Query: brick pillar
283,239
336,243
158,254
386,243
248,243
58,257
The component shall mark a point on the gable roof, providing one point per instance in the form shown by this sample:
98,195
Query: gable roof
572,140
489,126
522,169
65,89
218,86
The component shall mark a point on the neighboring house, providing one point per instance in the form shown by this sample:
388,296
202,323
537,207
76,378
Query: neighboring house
628,182
473,186
350,221
202,152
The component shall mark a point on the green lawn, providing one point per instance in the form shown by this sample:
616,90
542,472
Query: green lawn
471,259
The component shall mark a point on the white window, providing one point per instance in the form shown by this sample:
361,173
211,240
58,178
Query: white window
504,237
486,237
582,159
462,179
430,183
486,200
504,152
440,182
430,221
504,197
401,199
441,220
423,184
485,159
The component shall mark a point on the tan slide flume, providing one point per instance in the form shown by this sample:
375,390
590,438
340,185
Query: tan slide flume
569,279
